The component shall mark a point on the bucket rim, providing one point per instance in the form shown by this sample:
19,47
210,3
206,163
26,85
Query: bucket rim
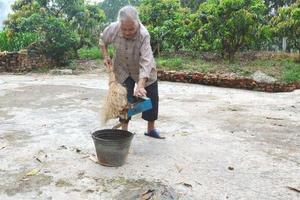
125,138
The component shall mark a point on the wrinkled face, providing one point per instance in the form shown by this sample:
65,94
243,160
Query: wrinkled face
129,28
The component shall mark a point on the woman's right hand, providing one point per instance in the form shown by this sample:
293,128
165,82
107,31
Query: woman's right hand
107,62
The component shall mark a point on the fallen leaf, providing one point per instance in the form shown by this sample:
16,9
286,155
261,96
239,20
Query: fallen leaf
38,159
85,156
187,185
63,183
94,159
80,174
293,189
62,147
46,171
2,147
198,183
78,150
274,118
274,124
33,172
179,169
147,195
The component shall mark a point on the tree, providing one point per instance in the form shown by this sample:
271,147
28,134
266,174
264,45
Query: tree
273,5
192,4
165,21
287,24
63,25
228,25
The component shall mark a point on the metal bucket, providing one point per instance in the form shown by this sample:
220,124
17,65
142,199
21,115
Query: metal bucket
112,146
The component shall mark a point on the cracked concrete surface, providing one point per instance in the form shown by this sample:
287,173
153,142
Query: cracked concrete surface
221,143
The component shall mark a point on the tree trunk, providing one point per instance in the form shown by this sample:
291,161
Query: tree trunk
284,44
158,50
231,56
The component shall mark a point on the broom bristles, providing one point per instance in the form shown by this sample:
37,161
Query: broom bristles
115,101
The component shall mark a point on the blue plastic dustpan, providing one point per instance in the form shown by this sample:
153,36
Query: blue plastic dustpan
139,105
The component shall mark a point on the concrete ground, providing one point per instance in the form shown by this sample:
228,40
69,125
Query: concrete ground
221,143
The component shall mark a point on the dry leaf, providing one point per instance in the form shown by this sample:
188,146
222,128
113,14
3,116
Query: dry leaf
62,147
78,150
179,169
39,160
33,172
293,189
3,146
94,159
147,195
187,185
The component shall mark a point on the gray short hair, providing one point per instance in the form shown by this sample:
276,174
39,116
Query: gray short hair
128,12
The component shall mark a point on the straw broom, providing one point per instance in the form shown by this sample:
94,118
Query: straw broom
116,100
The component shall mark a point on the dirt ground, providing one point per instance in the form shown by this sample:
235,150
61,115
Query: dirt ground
221,143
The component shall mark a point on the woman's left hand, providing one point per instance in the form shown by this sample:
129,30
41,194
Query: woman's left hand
140,91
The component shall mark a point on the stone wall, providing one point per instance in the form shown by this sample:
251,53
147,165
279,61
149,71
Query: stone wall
22,61
225,80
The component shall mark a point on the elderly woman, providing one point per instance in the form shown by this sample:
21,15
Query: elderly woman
133,62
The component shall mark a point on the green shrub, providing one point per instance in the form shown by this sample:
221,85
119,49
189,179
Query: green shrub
10,41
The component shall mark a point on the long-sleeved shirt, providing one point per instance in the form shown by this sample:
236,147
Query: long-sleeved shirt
133,57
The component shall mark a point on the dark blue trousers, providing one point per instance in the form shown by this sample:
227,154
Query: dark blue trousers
152,93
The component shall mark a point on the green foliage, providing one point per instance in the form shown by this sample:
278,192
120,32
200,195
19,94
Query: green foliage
10,41
287,24
59,39
227,26
63,26
275,5
87,23
165,21
192,4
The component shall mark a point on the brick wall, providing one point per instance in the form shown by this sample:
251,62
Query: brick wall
224,80
22,61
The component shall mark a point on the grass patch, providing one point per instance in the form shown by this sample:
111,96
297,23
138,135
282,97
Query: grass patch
170,63
291,74
285,70
89,53
93,53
